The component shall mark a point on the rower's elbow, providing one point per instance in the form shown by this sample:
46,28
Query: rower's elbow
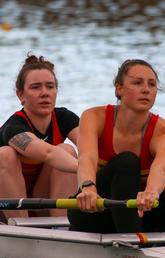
47,155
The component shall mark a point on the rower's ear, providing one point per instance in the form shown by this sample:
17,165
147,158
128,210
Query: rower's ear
20,95
118,90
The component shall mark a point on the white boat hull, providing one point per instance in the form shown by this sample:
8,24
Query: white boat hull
26,242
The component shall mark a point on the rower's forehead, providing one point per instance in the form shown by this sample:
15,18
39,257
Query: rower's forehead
139,71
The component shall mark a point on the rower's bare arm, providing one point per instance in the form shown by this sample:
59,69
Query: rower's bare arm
156,178
88,145
90,130
30,146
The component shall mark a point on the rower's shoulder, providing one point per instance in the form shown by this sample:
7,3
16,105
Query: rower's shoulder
93,119
160,127
161,122
98,110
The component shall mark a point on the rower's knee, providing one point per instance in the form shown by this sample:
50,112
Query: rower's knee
8,159
69,148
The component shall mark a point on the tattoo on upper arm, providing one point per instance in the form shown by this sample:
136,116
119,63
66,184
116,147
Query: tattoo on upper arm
21,140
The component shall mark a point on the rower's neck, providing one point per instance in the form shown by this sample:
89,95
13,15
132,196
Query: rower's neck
41,123
129,121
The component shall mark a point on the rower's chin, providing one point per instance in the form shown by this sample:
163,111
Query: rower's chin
45,111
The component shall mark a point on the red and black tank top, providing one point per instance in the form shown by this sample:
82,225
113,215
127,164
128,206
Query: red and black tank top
105,144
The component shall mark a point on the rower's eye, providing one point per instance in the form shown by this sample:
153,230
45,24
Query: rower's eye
137,82
35,86
152,84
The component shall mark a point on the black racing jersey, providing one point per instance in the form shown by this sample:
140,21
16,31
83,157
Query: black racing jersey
66,120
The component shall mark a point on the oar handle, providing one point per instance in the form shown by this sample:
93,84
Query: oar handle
72,204
132,203
101,203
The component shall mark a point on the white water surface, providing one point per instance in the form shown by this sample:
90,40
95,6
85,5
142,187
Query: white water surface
86,56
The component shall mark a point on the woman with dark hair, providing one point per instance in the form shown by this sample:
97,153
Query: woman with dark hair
35,161
121,156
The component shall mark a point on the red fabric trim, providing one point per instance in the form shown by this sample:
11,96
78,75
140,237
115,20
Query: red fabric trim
22,114
57,136
142,237
106,151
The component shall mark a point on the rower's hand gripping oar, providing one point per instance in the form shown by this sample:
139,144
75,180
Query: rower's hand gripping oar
41,203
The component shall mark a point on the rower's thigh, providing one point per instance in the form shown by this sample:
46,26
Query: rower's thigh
42,185
41,189
53,183
63,184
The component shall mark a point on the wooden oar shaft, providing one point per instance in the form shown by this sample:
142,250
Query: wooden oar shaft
41,203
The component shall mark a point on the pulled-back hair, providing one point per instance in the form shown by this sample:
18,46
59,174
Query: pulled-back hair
33,62
124,68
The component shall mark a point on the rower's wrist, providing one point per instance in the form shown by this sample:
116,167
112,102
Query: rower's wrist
155,192
87,184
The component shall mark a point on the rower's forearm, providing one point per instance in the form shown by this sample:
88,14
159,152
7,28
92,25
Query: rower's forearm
156,181
82,176
86,171
62,160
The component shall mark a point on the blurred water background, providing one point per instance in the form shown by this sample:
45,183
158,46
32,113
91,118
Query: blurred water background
86,39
